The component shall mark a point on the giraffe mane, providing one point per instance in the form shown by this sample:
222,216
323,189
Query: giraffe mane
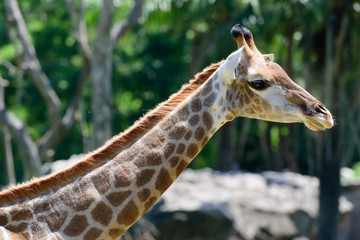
109,149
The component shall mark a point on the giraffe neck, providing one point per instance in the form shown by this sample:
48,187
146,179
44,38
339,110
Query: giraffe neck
110,198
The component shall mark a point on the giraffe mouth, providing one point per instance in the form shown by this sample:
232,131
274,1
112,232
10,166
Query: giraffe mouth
319,123
315,126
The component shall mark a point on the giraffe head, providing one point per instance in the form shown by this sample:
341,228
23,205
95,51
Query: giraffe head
259,88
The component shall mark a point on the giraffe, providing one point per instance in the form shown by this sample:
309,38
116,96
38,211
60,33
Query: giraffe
103,195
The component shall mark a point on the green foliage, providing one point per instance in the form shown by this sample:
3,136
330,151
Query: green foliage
356,168
7,52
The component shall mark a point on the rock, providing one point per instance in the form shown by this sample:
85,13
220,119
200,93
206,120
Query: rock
58,165
349,229
211,205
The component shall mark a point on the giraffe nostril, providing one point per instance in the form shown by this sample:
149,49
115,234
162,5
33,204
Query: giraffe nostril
320,109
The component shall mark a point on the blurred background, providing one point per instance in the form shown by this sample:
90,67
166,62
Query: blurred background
75,73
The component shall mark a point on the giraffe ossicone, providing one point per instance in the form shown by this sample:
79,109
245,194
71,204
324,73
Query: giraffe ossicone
103,195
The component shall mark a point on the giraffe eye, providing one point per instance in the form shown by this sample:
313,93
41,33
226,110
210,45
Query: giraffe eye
259,84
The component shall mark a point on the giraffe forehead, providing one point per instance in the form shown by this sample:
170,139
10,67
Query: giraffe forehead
252,73
275,74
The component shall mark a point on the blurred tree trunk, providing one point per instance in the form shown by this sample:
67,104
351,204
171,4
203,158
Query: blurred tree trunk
226,147
101,68
9,158
101,72
7,141
337,27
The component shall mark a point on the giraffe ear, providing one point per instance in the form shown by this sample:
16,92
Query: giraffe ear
243,62
228,70
268,57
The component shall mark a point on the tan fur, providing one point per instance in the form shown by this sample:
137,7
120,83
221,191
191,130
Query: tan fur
112,147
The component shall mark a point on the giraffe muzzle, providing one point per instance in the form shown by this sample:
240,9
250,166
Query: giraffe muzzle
318,117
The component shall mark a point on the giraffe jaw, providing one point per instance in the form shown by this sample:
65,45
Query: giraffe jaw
319,123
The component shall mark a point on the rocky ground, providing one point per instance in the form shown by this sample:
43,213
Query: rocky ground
209,205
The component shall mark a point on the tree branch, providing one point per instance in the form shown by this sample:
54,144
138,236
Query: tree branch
9,157
26,145
101,74
57,132
78,21
30,62
121,28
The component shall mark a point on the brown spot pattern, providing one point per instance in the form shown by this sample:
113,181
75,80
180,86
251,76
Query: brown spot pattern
207,88
78,202
178,132
209,101
153,140
128,214
192,151
188,135
26,235
131,153
199,133
174,161
76,226
182,165
37,230
54,220
249,111
207,119
169,149
150,159
163,180
180,149
217,86
102,213
92,234
168,123
79,199
122,177
3,218
144,194
257,108
194,120
115,232
17,228
241,99
39,207
184,113
196,105
117,198
101,182
21,214
144,177
246,99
